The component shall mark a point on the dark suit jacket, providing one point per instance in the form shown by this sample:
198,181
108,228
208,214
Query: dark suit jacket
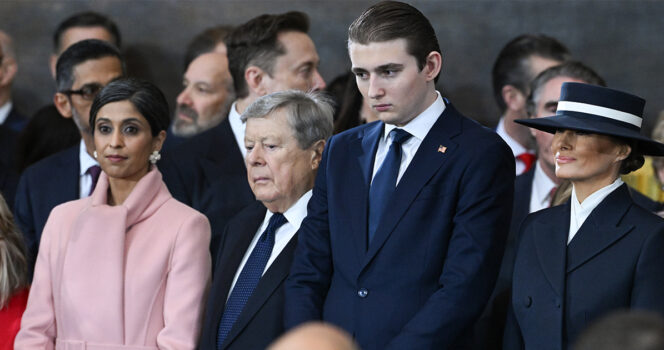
208,173
8,173
614,261
261,320
433,261
42,186
15,121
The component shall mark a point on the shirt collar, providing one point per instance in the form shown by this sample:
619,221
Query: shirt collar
85,159
238,128
419,127
542,185
592,201
4,111
512,143
297,212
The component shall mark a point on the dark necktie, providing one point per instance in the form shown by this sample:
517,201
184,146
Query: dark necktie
94,171
385,181
249,277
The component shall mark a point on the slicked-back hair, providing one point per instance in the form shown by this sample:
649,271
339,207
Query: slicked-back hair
512,67
86,19
392,20
309,114
206,42
255,44
146,97
570,69
78,53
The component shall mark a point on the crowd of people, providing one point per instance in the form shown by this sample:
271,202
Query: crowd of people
270,210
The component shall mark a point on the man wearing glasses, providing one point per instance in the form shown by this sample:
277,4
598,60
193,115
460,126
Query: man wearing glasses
81,72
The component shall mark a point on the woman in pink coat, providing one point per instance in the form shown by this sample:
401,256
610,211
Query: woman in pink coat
129,266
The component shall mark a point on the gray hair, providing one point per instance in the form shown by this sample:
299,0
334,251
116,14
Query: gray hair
310,114
570,69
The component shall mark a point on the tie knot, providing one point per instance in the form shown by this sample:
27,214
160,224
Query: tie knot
400,136
276,221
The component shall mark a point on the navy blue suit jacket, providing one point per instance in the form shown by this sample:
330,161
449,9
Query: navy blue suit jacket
261,320
615,261
15,121
207,173
42,186
8,173
433,261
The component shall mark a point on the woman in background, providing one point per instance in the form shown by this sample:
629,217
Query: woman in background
127,267
13,277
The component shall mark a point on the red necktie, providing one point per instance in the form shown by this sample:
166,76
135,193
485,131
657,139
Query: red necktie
528,159
552,193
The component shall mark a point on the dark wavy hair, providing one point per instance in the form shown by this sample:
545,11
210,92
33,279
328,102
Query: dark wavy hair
146,97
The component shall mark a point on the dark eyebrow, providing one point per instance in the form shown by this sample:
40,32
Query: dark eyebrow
358,70
124,121
551,104
389,66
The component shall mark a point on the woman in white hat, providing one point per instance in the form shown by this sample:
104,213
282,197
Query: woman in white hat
599,251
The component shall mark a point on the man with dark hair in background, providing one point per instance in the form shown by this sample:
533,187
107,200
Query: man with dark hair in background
269,53
81,72
207,90
405,228
517,64
9,115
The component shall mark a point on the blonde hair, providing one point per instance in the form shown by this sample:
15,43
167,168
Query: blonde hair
13,261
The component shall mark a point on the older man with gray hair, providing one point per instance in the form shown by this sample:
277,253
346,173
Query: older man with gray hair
284,138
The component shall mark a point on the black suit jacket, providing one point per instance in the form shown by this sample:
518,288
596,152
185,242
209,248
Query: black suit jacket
42,186
261,320
15,121
208,173
8,174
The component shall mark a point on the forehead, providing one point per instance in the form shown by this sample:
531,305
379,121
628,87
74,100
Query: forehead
100,70
120,110
299,49
375,54
76,34
207,66
551,89
274,124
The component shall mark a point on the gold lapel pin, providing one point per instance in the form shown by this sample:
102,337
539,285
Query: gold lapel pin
442,149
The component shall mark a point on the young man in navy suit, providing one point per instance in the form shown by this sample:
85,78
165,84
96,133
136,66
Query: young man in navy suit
405,229
82,71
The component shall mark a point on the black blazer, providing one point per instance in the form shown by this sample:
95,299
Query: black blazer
615,261
261,321
207,173
15,121
8,174
42,186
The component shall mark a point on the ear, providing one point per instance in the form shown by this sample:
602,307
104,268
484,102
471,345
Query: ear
52,61
433,65
63,104
254,76
623,152
317,153
158,141
513,97
9,70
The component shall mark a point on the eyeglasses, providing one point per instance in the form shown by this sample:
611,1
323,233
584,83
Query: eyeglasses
87,91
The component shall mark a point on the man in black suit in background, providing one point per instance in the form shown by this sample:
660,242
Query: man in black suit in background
285,137
267,54
9,116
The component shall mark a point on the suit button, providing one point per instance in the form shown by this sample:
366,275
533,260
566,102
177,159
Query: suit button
527,301
362,293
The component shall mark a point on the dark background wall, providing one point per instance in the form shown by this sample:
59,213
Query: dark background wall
622,40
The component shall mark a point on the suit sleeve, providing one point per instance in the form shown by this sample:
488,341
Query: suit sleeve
25,218
38,325
187,285
311,271
649,279
480,224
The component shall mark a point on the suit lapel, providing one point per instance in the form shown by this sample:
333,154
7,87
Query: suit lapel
426,162
601,229
365,146
217,165
271,280
234,247
70,165
550,236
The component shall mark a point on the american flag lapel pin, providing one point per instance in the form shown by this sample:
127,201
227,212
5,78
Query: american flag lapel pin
442,149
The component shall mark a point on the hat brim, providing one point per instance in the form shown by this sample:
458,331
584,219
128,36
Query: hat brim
645,145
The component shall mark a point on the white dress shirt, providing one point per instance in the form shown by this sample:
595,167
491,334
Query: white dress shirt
516,147
579,212
540,195
294,215
4,111
85,179
238,128
418,127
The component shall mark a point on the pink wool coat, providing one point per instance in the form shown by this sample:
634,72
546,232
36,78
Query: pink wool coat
132,276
